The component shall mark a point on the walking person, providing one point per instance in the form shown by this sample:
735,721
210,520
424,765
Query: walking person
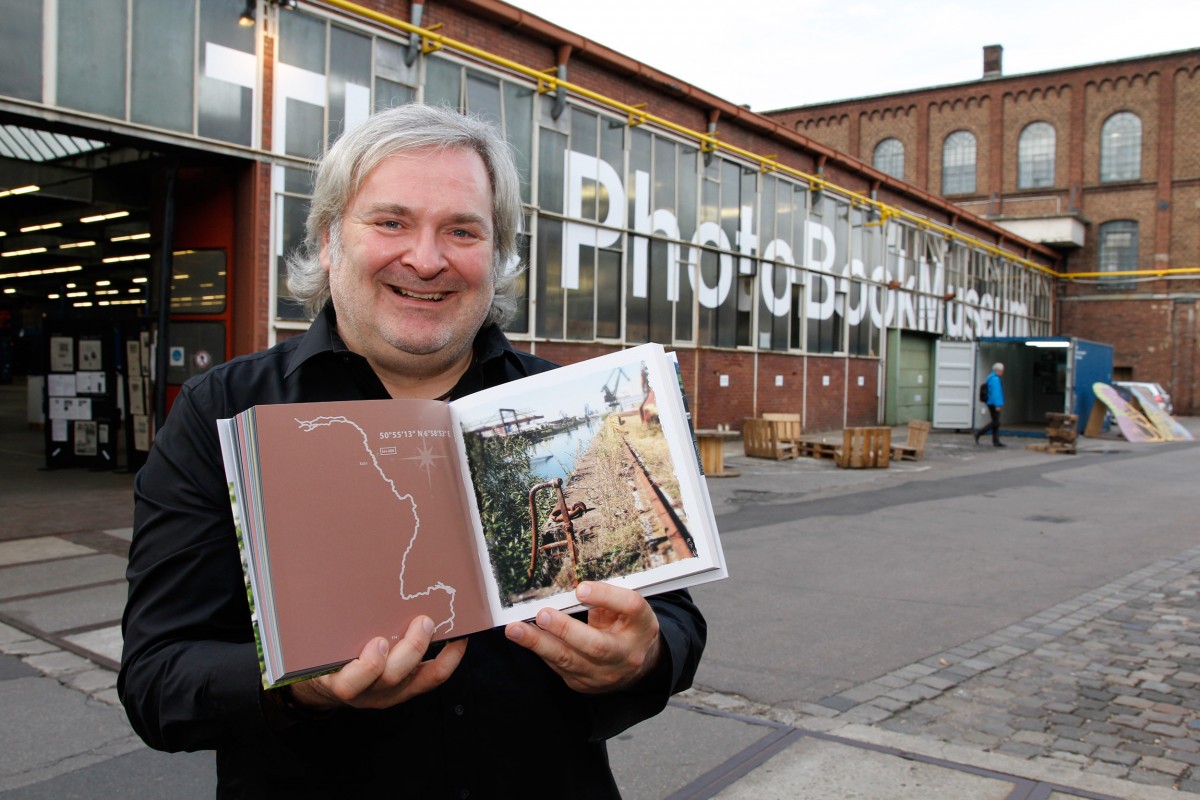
995,402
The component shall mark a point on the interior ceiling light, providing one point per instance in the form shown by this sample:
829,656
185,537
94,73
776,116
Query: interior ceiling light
115,259
33,273
43,227
69,245
20,190
102,217
26,252
131,237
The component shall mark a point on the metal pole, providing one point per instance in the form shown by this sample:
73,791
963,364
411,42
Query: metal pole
166,268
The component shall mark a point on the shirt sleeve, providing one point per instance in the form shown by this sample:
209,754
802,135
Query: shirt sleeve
189,669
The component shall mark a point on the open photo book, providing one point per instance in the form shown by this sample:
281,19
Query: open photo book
355,517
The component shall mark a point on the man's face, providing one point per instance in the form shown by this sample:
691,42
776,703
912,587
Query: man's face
413,282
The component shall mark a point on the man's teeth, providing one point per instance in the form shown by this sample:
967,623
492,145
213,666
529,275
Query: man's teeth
418,295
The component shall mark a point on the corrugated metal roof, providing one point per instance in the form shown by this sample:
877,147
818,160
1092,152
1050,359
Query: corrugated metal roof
27,144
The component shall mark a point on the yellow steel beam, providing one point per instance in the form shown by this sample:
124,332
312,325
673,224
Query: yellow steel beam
637,115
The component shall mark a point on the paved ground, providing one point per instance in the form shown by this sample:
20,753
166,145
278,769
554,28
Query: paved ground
1094,691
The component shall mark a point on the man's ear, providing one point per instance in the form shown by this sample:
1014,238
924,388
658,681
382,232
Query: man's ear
323,256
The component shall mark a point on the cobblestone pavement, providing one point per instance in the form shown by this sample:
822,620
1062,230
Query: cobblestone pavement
1107,683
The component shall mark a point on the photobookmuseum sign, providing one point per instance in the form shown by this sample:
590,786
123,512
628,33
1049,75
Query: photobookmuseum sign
825,266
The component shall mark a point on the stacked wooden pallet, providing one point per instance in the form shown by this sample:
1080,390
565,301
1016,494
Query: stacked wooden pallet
1061,433
817,448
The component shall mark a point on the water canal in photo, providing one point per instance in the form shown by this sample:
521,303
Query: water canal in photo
554,456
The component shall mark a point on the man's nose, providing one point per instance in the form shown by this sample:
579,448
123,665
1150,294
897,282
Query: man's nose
424,253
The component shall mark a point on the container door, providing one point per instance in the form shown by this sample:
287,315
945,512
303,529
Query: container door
954,392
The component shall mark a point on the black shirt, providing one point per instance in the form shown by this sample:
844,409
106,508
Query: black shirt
503,725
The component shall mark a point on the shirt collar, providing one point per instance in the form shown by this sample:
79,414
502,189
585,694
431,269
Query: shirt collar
321,337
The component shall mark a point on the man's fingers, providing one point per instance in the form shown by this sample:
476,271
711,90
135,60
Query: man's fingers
360,674
431,674
407,653
620,601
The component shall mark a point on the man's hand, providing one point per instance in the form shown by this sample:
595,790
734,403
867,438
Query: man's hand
616,647
383,676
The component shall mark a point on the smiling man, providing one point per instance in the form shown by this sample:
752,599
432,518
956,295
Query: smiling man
410,234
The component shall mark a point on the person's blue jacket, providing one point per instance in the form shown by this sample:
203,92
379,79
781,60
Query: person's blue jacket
995,393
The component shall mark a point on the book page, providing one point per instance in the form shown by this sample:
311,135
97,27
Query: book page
587,472
365,526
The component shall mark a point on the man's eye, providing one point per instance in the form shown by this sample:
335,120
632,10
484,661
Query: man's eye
391,224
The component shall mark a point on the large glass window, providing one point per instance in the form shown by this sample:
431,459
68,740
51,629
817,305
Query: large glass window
349,80
228,69
661,186
1121,147
91,58
1118,250
21,56
828,243
781,289
395,80
162,73
866,253
958,163
1035,156
889,158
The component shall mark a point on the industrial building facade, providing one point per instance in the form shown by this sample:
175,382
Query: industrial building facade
786,275
1101,162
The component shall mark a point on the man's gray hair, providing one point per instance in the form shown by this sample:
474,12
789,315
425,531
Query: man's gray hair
399,130
997,367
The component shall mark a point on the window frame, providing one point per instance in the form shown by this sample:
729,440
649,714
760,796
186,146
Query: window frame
881,160
1121,160
1037,140
957,169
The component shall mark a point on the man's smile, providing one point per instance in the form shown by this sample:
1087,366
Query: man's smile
418,295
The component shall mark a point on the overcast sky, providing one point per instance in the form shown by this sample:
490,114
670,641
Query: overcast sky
778,53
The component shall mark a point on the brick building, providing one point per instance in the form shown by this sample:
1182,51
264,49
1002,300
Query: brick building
1100,162
155,167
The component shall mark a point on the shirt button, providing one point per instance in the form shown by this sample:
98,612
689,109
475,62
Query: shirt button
459,711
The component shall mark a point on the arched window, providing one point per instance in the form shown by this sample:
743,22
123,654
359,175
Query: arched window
1035,156
1121,147
889,158
958,163
1118,249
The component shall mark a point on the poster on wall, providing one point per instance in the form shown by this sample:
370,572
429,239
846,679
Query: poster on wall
141,433
137,395
60,385
76,408
91,383
86,438
89,355
62,356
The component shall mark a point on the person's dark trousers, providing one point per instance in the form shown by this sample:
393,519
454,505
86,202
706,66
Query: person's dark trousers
993,426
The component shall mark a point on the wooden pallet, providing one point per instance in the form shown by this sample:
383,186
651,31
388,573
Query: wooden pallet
866,448
1053,447
817,449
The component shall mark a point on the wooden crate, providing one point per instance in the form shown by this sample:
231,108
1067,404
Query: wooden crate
760,440
866,448
1061,433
